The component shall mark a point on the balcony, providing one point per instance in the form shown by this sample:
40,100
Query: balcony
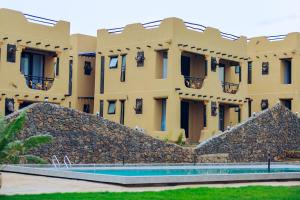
193,82
39,83
230,88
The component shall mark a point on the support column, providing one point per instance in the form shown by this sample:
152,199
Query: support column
173,117
212,122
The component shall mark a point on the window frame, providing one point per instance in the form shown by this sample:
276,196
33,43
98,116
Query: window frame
110,103
111,58
123,68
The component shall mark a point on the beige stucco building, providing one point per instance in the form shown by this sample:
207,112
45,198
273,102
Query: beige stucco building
33,60
170,78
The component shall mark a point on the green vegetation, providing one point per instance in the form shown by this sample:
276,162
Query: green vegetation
15,151
180,139
242,193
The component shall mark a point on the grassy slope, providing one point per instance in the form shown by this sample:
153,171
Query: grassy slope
244,193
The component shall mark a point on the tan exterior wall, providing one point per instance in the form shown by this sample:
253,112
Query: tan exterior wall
201,88
16,30
271,85
83,84
142,82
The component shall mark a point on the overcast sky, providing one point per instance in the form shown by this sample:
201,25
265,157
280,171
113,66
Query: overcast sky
248,17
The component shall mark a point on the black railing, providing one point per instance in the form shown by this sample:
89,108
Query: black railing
276,37
148,25
39,83
201,28
193,82
40,20
231,88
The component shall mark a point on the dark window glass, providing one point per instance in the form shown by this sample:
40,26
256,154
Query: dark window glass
123,69
57,66
87,68
102,67
122,114
86,108
213,64
70,76
101,108
264,104
11,53
287,103
139,106
140,58
249,72
265,68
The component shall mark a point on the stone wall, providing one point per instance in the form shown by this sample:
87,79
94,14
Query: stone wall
86,138
274,130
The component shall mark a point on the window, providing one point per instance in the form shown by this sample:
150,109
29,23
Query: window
123,69
102,66
122,114
86,108
57,66
286,66
205,67
264,104
287,103
249,72
213,64
204,116
87,68
111,107
70,77
238,70
138,106
113,62
265,68
161,64
101,108
165,65
140,59
11,53
163,114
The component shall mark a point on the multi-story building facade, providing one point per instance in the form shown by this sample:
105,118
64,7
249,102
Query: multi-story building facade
82,70
171,78
32,60
273,69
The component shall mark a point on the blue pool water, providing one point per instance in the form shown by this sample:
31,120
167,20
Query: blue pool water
179,172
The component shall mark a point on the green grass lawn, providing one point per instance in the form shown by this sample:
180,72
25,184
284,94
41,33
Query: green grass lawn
248,193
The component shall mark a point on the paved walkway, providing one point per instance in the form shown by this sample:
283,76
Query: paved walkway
27,184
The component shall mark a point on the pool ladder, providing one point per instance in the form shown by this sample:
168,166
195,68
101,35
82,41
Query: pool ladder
56,163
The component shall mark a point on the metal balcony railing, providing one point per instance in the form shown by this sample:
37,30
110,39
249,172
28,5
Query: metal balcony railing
40,20
231,88
193,82
39,83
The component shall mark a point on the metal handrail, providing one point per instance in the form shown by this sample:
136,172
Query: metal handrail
67,162
193,82
231,88
40,19
54,159
39,83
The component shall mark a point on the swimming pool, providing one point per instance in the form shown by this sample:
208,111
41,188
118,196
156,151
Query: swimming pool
183,172
165,174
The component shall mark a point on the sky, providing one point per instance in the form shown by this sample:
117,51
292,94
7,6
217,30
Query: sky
240,17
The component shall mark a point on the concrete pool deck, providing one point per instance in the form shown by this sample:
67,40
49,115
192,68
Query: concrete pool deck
28,184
